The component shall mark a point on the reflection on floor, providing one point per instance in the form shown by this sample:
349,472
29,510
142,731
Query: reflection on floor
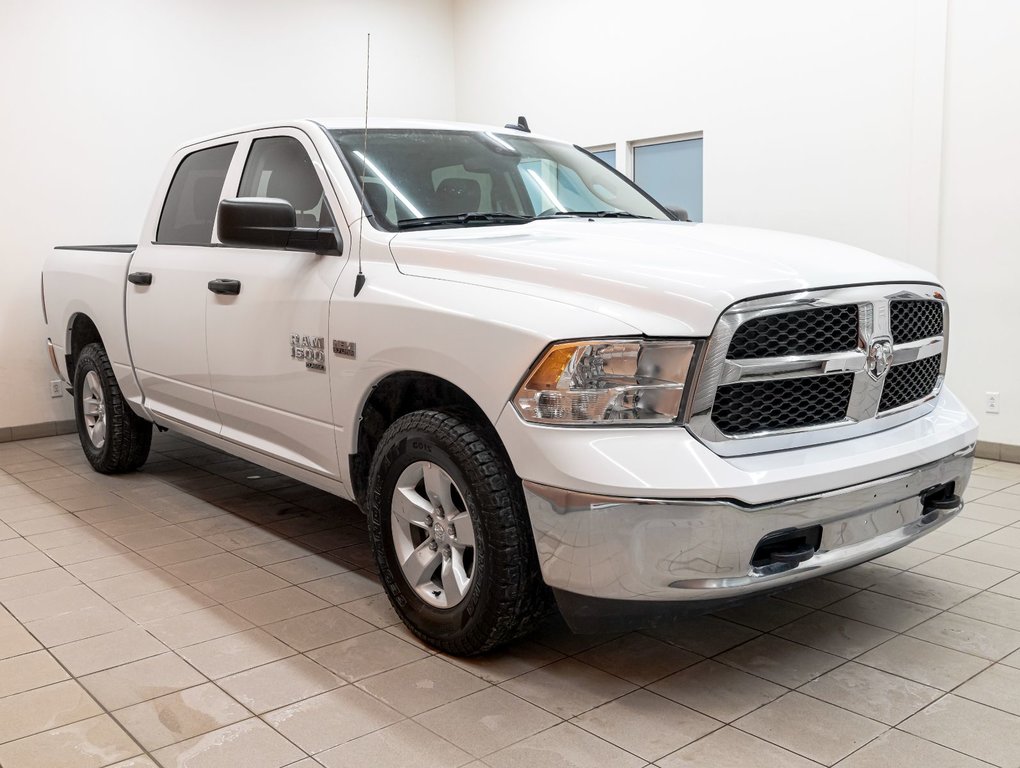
207,612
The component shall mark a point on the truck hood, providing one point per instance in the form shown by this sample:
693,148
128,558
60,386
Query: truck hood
662,278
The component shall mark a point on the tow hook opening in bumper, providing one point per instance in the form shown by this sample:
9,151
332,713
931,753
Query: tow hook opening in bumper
782,550
935,501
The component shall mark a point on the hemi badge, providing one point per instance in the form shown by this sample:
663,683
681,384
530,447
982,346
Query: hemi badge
345,348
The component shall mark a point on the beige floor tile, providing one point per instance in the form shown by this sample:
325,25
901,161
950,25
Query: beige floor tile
871,692
646,724
276,606
486,721
882,611
563,746
983,510
59,538
1013,660
375,609
49,524
780,661
422,685
939,543
401,745
85,551
1009,500
344,587
989,641
817,593
15,640
896,749
641,659
317,629
905,558
181,551
142,680
108,567
965,572
990,553
17,546
154,537
41,709
54,603
234,653
924,590
197,626
865,575
105,651
38,583
28,671
568,687
136,762
279,683
833,634
237,586
209,568
272,552
717,690
77,625
366,655
555,634
249,743
734,749
1009,537
91,743
137,522
815,729
309,568
332,718
924,662
177,716
974,729
1010,587
21,564
168,603
511,661
993,608
764,613
135,584
998,686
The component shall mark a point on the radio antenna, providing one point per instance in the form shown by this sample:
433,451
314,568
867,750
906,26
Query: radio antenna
359,281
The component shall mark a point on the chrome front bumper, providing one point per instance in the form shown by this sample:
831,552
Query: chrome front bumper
701,550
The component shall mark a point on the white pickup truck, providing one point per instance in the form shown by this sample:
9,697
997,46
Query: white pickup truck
535,381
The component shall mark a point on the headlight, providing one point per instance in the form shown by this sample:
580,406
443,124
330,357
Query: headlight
607,382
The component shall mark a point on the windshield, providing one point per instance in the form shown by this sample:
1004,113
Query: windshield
415,178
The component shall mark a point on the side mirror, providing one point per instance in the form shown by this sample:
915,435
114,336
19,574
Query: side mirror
269,222
679,213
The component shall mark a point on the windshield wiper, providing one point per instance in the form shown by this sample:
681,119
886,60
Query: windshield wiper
596,214
464,219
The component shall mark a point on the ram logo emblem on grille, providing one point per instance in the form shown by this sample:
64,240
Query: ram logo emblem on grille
880,358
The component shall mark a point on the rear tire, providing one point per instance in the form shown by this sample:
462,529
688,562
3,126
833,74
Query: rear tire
113,438
451,535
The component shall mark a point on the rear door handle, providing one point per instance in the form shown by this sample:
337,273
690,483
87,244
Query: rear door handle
140,278
225,287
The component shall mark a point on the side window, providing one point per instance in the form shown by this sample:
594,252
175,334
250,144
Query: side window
280,167
190,206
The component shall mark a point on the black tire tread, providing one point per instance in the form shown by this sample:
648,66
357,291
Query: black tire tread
128,436
518,598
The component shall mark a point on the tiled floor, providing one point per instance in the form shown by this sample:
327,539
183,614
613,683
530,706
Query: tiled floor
206,612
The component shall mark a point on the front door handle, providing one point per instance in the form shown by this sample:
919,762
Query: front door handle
225,287
140,278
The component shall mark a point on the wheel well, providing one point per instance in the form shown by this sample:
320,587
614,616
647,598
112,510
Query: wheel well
81,333
398,395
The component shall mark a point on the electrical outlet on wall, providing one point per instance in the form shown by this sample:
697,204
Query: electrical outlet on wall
991,402
56,388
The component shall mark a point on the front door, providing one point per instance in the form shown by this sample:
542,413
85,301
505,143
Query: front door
267,344
167,294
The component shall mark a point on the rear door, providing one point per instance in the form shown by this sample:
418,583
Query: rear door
267,344
167,291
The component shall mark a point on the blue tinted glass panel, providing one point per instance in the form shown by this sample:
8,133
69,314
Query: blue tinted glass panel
608,156
672,174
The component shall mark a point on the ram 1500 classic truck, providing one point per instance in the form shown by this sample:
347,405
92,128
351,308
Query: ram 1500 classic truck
535,381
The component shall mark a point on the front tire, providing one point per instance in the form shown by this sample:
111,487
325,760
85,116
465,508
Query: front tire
113,438
450,533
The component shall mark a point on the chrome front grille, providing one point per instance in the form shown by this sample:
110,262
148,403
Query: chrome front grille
819,366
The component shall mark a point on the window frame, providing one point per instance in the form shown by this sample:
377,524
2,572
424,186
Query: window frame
224,141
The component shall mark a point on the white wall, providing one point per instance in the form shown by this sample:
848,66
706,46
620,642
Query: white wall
95,96
980,225
819,117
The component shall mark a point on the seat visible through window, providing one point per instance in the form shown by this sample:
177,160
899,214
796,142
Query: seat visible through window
280,167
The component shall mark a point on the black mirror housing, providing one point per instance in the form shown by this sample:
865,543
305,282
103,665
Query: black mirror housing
270,222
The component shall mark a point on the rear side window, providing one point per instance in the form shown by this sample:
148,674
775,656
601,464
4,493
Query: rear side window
279,167
190,207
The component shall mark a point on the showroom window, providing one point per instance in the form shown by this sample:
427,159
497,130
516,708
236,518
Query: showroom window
671,172
280,167
608,155
190,206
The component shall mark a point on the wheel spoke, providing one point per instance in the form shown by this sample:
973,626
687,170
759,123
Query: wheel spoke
437,486
455,580
411,508
421,564
90,406
465,530
99,432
